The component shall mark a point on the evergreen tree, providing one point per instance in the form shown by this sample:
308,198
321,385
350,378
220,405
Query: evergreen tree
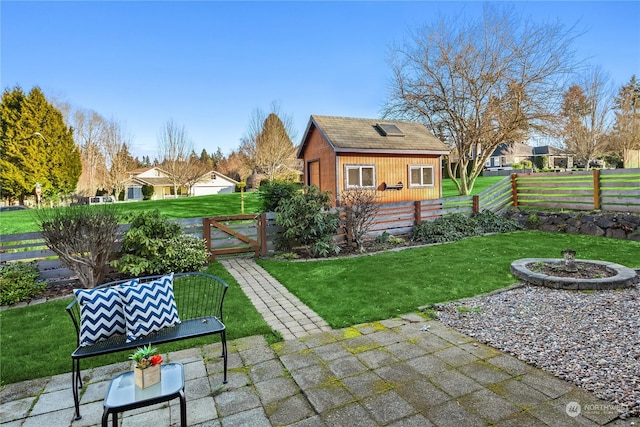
205,158
36,147
217,157
13,183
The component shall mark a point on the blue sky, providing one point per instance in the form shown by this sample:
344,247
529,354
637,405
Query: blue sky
208,65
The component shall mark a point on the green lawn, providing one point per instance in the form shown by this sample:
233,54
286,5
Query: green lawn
25,221
482,183
38,340
344,292
350,291
12,222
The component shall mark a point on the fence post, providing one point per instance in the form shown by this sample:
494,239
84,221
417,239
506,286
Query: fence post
417,212
476,204
262,232
514,189
596,189
206,235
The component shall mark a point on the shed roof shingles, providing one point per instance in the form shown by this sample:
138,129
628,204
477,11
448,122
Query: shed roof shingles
346,133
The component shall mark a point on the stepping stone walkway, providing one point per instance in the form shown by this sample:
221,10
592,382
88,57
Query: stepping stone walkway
282,310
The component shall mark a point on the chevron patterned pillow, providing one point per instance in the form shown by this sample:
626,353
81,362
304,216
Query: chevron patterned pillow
101,313
149,307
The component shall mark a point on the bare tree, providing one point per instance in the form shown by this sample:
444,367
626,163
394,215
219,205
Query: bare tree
234,167
268,148
360,209
118,159
90,132
585,112
174,150
195,171
477,84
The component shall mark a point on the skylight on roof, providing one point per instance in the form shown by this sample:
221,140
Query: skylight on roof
389,129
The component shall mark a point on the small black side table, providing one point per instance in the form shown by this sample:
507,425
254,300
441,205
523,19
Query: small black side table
123,395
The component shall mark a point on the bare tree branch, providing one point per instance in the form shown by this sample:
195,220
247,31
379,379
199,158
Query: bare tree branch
476,84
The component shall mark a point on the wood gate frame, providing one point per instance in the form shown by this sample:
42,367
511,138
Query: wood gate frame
257,245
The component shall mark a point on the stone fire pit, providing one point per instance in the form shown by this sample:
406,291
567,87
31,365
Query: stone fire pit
539,271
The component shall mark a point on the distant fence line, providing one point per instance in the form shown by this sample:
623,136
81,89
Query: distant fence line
607,190
616,190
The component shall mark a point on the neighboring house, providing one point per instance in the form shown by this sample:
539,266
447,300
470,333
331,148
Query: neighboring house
211,182
401,160
555,157
214,183
507,154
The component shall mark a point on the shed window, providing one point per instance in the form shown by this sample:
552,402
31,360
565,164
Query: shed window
421,176
360,176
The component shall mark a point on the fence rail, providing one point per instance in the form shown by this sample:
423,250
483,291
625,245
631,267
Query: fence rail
608,190
32,247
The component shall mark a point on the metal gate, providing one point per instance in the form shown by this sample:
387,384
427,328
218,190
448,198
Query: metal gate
234,234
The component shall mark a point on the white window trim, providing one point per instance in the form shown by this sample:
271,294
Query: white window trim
359,167
421,167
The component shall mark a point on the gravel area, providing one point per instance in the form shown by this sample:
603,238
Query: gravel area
589,338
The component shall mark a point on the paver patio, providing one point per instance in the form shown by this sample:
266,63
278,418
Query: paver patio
405,371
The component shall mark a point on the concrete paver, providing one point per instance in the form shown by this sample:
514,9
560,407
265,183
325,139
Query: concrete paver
306,383
400,372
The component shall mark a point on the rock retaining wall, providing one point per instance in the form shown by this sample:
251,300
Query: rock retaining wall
615,225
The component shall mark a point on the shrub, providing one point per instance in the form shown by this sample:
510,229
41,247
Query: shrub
458,226
153,245
540,162
83,237
533,221
19,282
490,222
271,192
307,221
147,192
446,229
360,209
387,240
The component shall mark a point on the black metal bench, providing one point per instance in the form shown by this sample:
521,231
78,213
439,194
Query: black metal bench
199,298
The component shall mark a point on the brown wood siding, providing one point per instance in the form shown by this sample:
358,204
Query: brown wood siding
319,149
392,169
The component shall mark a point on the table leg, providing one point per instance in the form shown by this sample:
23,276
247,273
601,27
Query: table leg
105,418
183,409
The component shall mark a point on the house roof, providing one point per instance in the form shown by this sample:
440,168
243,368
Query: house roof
523,150
346,134
166,181
156,182
514,149
140,170
547,149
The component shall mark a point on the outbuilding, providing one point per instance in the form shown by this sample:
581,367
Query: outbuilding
401,160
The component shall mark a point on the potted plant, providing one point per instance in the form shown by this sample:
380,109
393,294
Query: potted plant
146,370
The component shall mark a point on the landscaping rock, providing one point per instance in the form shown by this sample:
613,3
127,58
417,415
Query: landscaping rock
624,226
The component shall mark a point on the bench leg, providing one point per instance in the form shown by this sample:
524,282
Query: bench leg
224,354
76,385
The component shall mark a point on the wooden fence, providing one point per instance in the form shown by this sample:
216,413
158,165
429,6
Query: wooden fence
31,247
607,190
